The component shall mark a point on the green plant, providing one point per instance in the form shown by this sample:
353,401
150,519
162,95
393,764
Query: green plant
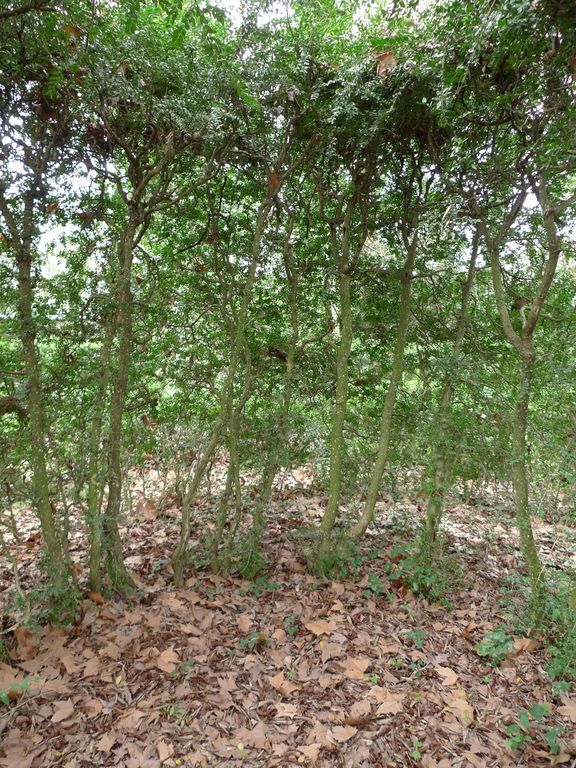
177,713
15,691
187,666
495,646
291,624
260,585
528,726
432,580
252,640
416,754
375,587
417,637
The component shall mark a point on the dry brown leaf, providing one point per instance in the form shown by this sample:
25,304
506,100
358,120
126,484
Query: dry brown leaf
360,708
106,743
342,733
330,650
568,709
393,648
96,597
525,644
449,677
311,751
168,660
283,709
285,687
356,668
244,622
92,667
63,710
384,62
130,720
459,706
165,750
389,703
92,707
321,626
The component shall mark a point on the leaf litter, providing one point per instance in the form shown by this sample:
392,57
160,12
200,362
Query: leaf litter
310,672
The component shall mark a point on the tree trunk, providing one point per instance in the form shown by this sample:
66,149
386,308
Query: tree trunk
338,416
520,484
275,454
94,464
439,471
367,516
180,552
117,571
56,556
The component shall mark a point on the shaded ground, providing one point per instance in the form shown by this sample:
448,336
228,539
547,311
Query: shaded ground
288,670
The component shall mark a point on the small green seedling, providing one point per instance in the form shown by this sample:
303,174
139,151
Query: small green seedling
495,646
417,637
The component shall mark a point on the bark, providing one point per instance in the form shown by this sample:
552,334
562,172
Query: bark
280,436
520,484
94,478
439,470
56,556
338,411
523,344
345,259
23,236
367,516
180,552
117,571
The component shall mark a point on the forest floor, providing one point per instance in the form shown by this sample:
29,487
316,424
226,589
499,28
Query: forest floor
290,670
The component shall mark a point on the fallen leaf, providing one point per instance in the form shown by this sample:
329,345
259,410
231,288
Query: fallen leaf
342,733
285,687
459,706
568,709
168,660
244,622
321,627
356,668
311,751
449,677
165,750
130,720
525,644
330,650
106,743
63,710
284,709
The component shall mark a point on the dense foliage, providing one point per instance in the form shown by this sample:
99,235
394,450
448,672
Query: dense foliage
306,233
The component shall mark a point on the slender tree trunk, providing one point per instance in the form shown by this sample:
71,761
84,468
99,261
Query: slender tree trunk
180,552
439,470
520,483
367,516
275,454
523,344
117,570
94,462
338,415
57,558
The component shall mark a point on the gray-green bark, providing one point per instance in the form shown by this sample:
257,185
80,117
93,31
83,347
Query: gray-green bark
367,516
341,389
94,479
180,552
523,344
23,238
275,453
112,542
440,465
